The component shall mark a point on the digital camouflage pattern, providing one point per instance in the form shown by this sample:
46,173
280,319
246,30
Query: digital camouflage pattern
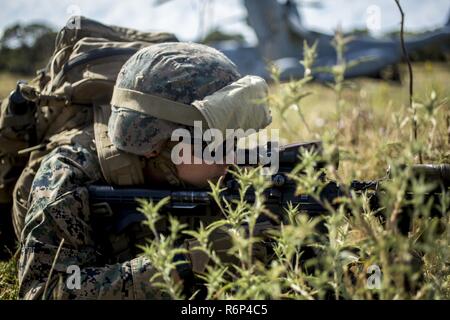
58,206
59,209
183,72
137,133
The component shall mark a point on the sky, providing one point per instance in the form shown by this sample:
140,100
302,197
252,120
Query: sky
190,19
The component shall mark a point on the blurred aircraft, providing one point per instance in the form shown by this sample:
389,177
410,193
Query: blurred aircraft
280,33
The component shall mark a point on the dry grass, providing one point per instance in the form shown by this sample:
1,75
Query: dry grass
8,83
368,123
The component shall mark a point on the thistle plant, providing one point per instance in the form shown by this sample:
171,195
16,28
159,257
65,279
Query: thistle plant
289,96
162,249
336,254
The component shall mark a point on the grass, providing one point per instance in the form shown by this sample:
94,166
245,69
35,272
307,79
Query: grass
8,82
368,118
8,280
373,132
369,123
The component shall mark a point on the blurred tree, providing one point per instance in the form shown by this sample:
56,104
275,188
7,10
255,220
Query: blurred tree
217,35
439,51
358,32
26,48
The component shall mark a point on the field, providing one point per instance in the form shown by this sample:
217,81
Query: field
8,83
374,118
369,121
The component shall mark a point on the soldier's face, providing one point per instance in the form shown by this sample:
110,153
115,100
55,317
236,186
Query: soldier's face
197,172
194,172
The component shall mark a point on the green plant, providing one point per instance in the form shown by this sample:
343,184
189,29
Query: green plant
350,238
9,285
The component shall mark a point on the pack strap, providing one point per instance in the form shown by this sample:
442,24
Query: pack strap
57,100
118,167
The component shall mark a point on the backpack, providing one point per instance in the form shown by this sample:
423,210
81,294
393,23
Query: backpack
81,73
84,68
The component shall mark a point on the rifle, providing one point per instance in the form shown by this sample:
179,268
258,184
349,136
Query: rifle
196,205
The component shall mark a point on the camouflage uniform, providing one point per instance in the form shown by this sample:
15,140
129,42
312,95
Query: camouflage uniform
59,209
59,203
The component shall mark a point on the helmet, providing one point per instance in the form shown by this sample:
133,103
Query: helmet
181,72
